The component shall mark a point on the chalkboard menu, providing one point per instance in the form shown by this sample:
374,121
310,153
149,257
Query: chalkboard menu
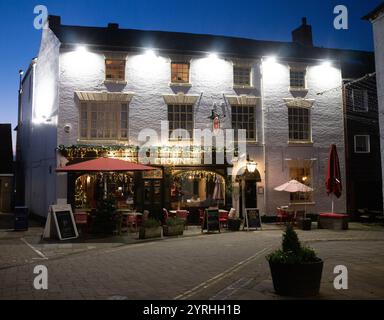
64,223
252,218
211,221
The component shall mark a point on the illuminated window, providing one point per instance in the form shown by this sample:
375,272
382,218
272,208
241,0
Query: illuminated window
299,124
180,72
362,144
180,117
242,76
243,117
104,121
360,100
297,78
115,69
303,175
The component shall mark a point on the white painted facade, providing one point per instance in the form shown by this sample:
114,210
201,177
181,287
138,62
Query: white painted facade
60,73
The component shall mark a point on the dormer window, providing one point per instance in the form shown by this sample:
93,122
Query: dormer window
114,70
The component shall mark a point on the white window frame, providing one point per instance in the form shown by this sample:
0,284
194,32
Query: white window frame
173,120
117,106
365,100
368,142
181,83
247,113
298,69
237,85
309,140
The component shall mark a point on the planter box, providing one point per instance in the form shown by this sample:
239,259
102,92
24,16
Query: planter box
149,233
333,221
297,280
172,231
234,225
305,224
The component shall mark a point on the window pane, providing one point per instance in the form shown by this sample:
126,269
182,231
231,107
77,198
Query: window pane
241,76
299,124
115,69
180,72
243,117
180,117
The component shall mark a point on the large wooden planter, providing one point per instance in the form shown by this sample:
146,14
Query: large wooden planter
333,221
149,233
173,231
297,280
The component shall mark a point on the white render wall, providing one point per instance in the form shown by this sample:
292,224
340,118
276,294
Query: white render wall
148,77
327,128
378,32
39,128
60,73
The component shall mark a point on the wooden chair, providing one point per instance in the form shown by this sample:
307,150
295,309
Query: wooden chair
282,216
81,220
182,214
223,218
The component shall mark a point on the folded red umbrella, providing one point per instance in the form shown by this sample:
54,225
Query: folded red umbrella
333,180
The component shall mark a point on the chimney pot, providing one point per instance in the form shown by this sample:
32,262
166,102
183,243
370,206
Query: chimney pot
113,26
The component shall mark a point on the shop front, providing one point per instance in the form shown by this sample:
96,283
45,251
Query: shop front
176,183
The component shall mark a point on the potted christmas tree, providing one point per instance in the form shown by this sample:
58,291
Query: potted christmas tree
296,270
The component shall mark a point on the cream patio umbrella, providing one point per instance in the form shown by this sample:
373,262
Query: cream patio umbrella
294,186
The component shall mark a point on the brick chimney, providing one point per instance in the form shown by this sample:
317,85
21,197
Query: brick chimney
303,34
113,26
54,22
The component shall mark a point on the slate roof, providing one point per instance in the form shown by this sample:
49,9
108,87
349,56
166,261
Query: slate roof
354,63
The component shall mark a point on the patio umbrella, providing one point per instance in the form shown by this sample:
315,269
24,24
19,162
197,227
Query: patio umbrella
294,186
333,180
105,165
218,191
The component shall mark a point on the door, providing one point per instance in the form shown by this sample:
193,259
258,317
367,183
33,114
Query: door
250,193
5,195
152,197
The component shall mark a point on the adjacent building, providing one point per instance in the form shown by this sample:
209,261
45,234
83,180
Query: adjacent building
377,19
6,168
91,92
363,161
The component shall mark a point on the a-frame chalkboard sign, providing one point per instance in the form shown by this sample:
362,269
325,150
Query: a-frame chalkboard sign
60,223
211,221
252,219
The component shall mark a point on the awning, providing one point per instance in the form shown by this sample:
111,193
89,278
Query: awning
105,165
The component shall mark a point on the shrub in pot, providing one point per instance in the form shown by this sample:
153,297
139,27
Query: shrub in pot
174,227
296,270
150,229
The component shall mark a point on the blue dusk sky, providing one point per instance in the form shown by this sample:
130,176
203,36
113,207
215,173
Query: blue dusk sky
256,19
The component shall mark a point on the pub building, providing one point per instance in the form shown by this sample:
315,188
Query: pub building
96,92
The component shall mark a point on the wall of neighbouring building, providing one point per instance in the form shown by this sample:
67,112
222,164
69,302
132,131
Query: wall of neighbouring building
378,31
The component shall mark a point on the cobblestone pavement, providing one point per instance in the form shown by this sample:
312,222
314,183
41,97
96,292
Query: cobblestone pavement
215,266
